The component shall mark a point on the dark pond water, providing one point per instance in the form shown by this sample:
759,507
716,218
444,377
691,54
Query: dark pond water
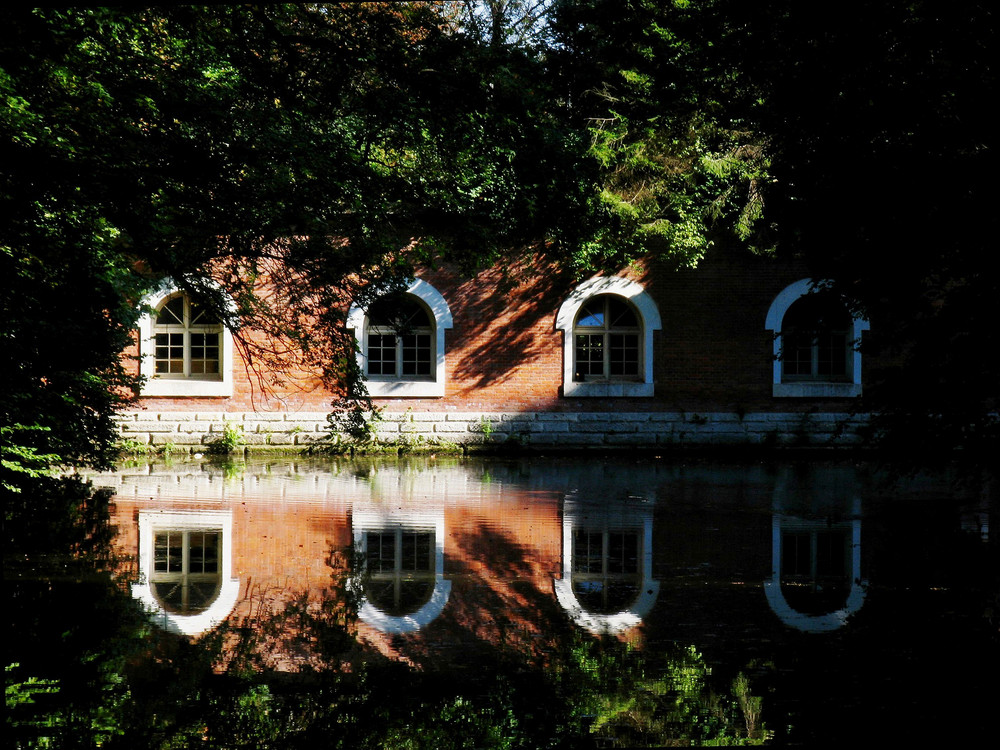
440,602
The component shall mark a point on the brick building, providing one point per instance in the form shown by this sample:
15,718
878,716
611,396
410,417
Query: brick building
736,351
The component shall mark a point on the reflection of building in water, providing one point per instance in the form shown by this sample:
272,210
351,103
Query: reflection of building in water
185,567
816,581
606,584
211,545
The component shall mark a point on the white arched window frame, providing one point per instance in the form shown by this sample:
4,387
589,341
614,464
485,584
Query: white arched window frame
649,320
222,385
403,387
811,389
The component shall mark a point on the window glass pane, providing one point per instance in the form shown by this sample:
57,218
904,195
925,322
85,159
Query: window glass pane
398,312
171,313
204,552
589,355
381,552
588,551
202,316
381,354
592,314
169,353
621,314
168,552
795,554
623,552
417,355
416,551
204,353
624,354
832,354
831,553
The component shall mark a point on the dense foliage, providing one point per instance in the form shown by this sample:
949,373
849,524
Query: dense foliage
325,148
882,150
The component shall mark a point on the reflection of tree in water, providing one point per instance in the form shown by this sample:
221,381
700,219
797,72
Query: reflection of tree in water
508,696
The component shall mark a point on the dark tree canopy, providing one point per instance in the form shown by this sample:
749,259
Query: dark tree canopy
326,148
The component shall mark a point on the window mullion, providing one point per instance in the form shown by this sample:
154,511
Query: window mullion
187,338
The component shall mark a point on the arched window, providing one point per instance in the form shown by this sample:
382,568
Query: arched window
607,326
816,343
188,340
401,342
185,349
607,340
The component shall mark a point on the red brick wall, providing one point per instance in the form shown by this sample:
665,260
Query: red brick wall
505,354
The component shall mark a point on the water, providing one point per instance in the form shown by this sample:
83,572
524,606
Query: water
445,602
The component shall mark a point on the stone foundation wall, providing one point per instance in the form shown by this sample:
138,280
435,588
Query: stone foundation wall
197,431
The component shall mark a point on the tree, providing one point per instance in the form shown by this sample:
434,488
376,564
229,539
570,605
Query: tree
860,144
681,168
882,143
323,149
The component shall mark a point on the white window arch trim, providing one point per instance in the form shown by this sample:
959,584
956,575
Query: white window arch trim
773,322
409,388
649,316
155,386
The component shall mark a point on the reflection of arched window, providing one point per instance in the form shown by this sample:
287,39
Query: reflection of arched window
403,585
606,584
185,564
606,568
401,342
607,341
186,351
186,573
816,580
816,343
400,569
607,326
815,574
